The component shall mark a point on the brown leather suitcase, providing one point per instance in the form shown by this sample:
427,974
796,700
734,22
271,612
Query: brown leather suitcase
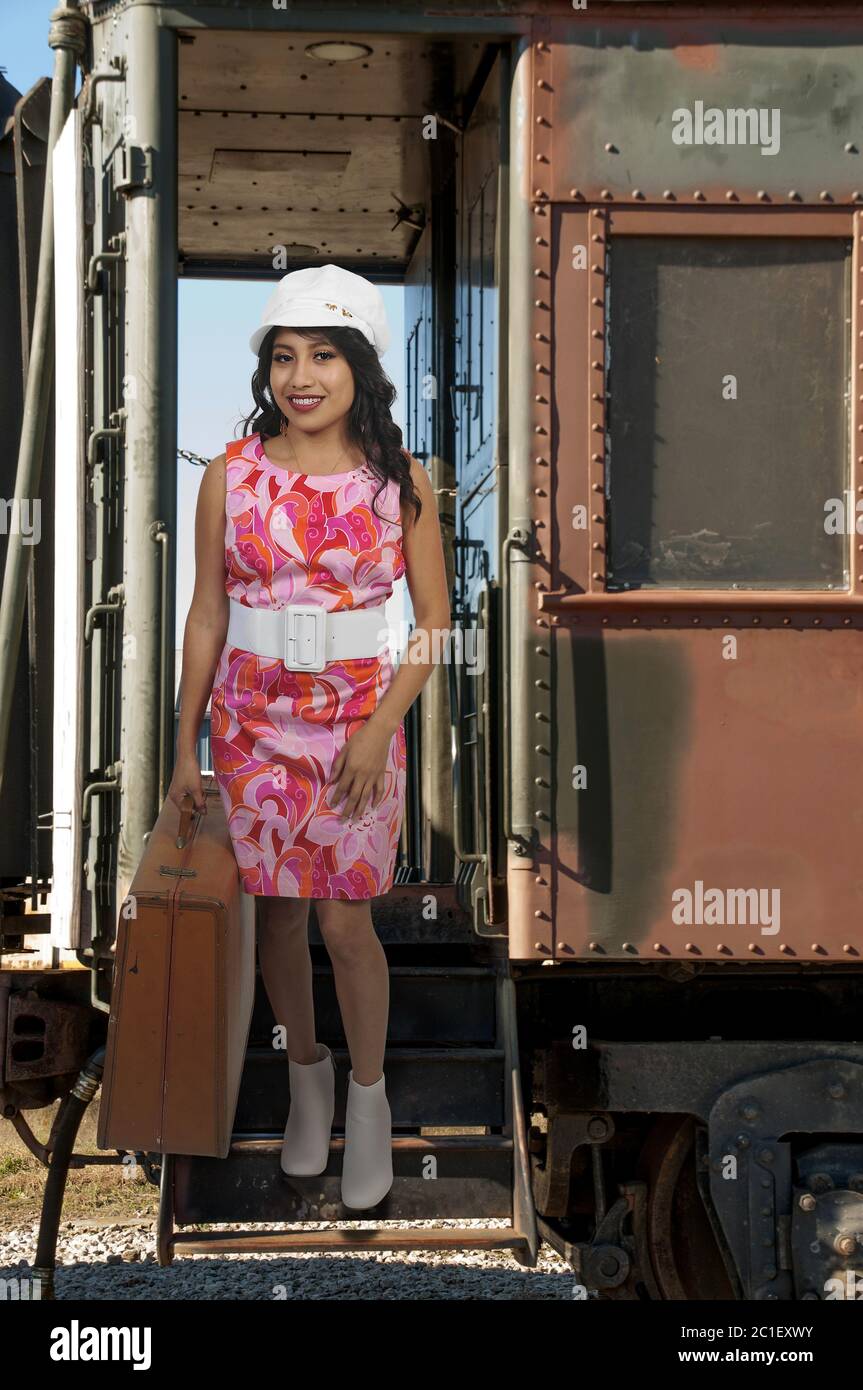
184,984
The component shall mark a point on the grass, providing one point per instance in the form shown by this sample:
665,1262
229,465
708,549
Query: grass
101,1192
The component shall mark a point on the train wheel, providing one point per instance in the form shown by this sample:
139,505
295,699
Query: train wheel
681,1243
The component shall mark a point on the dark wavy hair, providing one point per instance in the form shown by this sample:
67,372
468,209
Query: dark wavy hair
370,424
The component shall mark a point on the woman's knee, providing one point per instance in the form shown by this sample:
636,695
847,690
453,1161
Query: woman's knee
346,928
284,914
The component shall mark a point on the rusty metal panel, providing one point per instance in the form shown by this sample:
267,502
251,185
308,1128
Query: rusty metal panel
704,738
727,414
621,86
735,772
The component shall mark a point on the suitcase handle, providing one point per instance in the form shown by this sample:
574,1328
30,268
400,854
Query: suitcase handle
187,815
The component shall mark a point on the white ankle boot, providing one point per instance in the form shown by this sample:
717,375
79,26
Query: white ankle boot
367,1168
306,1146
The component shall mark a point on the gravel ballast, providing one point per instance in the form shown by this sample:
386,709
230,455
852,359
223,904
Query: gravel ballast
117,1261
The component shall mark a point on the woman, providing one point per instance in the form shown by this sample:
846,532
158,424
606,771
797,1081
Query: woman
316,511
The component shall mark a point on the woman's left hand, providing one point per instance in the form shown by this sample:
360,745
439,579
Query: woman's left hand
358,771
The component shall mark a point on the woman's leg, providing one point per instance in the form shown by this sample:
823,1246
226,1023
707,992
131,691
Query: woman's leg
362,982
286,966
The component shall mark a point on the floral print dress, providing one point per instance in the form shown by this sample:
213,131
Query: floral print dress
275,733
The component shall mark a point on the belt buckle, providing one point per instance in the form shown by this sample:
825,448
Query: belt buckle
297,642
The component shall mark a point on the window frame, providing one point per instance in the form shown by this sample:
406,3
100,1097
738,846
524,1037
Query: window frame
579,424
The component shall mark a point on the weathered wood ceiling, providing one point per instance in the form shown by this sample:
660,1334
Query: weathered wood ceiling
279,148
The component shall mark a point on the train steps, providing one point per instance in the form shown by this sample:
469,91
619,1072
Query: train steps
459,1139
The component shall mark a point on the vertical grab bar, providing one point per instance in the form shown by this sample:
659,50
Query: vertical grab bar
519,535
159,533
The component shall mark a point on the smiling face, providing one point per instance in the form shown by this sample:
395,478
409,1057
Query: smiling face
311,381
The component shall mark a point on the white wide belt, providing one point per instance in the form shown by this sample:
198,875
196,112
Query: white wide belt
306,636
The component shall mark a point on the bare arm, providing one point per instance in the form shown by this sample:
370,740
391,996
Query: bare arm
425,571
207,622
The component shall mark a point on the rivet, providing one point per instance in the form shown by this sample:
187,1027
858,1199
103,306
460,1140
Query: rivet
726,621
849,148
666,619
597,545
637,193
756,621
698,195
597,576
605,622
575,193
847,948
601,521
596,458
792,193
658,946
593,946
729,193
667,193
696,620
785,949
605,193
786,622
762,195
538,193
627,946
635,622
597,487
815,947
816,622
846,621
720,946
824,195
611,149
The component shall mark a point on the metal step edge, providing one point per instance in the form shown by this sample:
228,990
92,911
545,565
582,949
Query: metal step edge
374,1238
396,1054
244,1143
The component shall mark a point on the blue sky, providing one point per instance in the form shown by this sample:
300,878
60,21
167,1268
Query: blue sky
216,319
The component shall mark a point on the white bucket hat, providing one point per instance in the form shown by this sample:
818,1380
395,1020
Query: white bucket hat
325,294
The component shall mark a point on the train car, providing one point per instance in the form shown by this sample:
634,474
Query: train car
624,937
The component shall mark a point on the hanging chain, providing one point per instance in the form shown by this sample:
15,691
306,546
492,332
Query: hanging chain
197,459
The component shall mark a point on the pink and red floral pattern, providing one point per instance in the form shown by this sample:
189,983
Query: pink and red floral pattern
275,733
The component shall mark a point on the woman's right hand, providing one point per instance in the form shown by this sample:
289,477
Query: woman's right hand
187,778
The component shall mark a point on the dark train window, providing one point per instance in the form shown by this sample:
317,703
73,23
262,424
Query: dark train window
727,412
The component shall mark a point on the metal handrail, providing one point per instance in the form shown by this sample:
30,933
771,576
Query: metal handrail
159,533
518,535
